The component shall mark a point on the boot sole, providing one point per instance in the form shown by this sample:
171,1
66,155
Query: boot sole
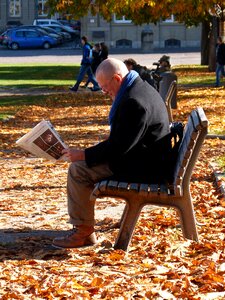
84,245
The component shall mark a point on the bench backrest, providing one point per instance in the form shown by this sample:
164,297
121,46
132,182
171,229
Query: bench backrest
169,96
194,135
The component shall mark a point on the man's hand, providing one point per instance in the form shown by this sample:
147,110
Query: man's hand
73,154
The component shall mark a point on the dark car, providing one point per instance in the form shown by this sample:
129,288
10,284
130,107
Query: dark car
53,33
72,23
28,38
60,29
12,24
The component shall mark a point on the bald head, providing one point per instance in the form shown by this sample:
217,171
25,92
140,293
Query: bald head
111,66
110,74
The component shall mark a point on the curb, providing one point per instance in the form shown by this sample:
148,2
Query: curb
215,136
220,182
220,178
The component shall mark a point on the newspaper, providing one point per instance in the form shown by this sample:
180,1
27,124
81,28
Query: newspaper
43,141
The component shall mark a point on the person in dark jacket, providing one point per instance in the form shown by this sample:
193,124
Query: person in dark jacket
136,150
143,72
164,64
220,60
86,67
104,52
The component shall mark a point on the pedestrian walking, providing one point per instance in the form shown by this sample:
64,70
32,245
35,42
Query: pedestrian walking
86,67
220,60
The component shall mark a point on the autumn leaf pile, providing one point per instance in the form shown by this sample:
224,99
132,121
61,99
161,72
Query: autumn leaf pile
160,263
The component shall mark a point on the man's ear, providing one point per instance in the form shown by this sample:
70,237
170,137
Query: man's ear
118,77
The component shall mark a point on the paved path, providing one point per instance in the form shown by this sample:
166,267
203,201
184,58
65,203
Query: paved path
73,56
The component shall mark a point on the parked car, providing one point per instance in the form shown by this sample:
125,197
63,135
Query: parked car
29,38
45,31
3,38
75,25
53,32
60,29
46,22
12,24
50,22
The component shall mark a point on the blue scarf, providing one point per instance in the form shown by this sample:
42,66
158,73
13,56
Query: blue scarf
129,79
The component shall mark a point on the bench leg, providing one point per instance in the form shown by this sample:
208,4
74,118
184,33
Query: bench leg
187,215
128,221
123,214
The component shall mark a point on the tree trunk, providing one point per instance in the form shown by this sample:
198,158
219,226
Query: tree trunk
222,29
205,42
212,45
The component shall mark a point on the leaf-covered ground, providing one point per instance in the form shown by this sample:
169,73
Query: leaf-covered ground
160,263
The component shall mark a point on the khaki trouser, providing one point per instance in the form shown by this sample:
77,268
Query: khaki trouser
80,184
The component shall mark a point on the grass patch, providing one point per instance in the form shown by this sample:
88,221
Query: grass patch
10,105
51,75
221,162
6,115
34,75
194,75
18,101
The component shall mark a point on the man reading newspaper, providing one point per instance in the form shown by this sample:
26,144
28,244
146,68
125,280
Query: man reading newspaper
137,148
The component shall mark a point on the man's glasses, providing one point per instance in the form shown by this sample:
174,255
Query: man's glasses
105,86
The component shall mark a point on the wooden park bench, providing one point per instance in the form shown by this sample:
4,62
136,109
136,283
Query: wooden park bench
176,195
169,96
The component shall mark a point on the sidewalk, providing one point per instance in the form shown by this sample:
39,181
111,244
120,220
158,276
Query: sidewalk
30,91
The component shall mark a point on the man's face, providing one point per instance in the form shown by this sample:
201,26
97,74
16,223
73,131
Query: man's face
111,85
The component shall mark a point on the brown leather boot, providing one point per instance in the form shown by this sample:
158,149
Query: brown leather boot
80,236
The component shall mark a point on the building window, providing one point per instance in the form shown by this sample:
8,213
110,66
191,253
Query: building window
42,8
98,35
124,43
172,43
121,19
15,8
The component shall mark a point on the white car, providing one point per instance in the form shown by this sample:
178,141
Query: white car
49,22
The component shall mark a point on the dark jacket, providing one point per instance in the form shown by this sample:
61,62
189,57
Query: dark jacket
103,54
144,73
96,61
220,54
138,145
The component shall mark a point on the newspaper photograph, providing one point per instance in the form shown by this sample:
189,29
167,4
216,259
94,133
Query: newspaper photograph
43,141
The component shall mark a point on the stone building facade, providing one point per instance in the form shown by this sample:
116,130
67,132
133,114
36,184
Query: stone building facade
122,33
24,11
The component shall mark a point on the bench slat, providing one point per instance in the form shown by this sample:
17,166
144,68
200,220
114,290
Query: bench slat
134,187
164,192
103,185
154,188
123,185
112,184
